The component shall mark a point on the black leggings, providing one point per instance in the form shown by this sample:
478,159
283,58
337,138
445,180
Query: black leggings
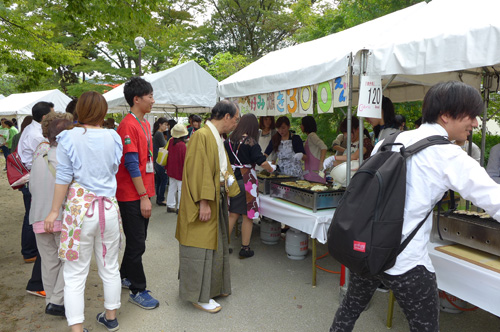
416,292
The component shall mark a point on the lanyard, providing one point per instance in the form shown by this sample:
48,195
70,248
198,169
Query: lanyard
147,137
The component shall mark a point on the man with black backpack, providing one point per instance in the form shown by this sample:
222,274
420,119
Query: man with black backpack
449,110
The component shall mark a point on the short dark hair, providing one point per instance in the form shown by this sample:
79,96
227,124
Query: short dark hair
171,123
354,125
222,108
196,118
309,124
40,109
8,123
136,87
389,114
70,108
456,99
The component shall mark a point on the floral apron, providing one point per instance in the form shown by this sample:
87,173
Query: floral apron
81,202
250,183
287,164
311,165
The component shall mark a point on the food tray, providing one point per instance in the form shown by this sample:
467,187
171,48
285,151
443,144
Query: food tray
265,183
315,200
471,231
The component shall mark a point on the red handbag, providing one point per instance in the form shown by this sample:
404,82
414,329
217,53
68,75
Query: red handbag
16,170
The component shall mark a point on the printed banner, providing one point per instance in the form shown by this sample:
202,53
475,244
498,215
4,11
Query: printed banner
280,103
306,100
340,91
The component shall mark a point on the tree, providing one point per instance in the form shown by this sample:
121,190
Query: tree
224,65
251,27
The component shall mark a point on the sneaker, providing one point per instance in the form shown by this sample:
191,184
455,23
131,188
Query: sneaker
171,210
30,260
144,300
246,252
126,283
37,293
111,325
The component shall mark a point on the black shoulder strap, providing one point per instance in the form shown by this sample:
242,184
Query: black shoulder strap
413,233
424,143
389,142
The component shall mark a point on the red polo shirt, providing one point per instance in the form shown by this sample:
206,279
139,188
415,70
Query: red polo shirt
134,139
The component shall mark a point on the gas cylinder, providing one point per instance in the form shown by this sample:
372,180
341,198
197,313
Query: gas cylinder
296,244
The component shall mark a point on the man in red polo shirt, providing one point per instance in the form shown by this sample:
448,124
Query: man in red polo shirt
135,186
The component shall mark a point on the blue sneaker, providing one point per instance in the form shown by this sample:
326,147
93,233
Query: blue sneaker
126,283
111,325
144,300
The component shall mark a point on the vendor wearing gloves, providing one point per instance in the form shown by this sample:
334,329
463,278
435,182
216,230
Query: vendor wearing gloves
288,147
315,150
367,145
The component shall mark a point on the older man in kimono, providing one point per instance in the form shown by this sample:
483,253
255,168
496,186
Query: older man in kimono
202,223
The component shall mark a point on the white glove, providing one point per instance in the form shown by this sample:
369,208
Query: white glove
321,174
328,162
298,156
230,180
273,167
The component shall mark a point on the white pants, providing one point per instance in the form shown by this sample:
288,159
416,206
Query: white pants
174,193
52,266
75,272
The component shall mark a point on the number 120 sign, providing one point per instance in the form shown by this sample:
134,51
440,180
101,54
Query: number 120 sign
370,97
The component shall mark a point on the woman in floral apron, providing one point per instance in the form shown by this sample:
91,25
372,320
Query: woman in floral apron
88,157
289,149
315,151
244,153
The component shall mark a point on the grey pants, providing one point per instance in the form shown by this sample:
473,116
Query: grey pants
416,292
52,267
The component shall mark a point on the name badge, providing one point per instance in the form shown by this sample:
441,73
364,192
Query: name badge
149,166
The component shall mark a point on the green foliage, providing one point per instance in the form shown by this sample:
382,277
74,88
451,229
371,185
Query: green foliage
76,90
491,140
223,65
251,27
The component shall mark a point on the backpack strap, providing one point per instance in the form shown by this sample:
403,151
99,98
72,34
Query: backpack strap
389,142
413,233
424,143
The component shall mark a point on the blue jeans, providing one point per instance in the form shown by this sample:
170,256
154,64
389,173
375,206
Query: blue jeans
28,240
161,181
5,151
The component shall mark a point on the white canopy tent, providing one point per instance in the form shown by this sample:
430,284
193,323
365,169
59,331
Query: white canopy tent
2,96
19,105
411,49
185,88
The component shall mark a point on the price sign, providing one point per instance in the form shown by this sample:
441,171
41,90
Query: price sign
292,100
370,97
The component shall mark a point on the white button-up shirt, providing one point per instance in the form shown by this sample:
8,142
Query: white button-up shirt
430,173
28,142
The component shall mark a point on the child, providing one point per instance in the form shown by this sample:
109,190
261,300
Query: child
175,166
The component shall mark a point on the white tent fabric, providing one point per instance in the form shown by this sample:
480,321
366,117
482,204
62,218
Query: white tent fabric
421,45
2,96
20,104
186,87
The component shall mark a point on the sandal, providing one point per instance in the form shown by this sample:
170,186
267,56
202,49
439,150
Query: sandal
246,252
211,306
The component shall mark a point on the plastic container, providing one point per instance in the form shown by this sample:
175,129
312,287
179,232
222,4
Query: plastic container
270,231
447,306
296,244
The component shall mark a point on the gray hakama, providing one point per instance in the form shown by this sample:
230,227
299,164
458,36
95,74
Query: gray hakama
203,273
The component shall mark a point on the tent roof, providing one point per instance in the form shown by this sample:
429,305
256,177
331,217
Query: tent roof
421,45
186,87
22,103
2,96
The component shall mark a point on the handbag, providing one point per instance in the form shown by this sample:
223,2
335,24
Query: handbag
163,154
17,173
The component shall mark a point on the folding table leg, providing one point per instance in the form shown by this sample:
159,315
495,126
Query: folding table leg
314,262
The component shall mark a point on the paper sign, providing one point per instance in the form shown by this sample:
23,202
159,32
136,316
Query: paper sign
370,97
306,100
244,104
270,103
340,91
261,105
280,103
292,101
325,97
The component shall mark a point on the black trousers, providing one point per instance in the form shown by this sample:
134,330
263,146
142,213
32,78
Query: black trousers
135,227
416,292
35,283
28,240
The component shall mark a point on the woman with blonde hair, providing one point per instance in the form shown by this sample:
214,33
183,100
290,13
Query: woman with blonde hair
88,157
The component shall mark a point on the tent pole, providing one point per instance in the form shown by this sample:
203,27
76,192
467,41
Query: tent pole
487,80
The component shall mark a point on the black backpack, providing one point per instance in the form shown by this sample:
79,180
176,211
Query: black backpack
366,231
